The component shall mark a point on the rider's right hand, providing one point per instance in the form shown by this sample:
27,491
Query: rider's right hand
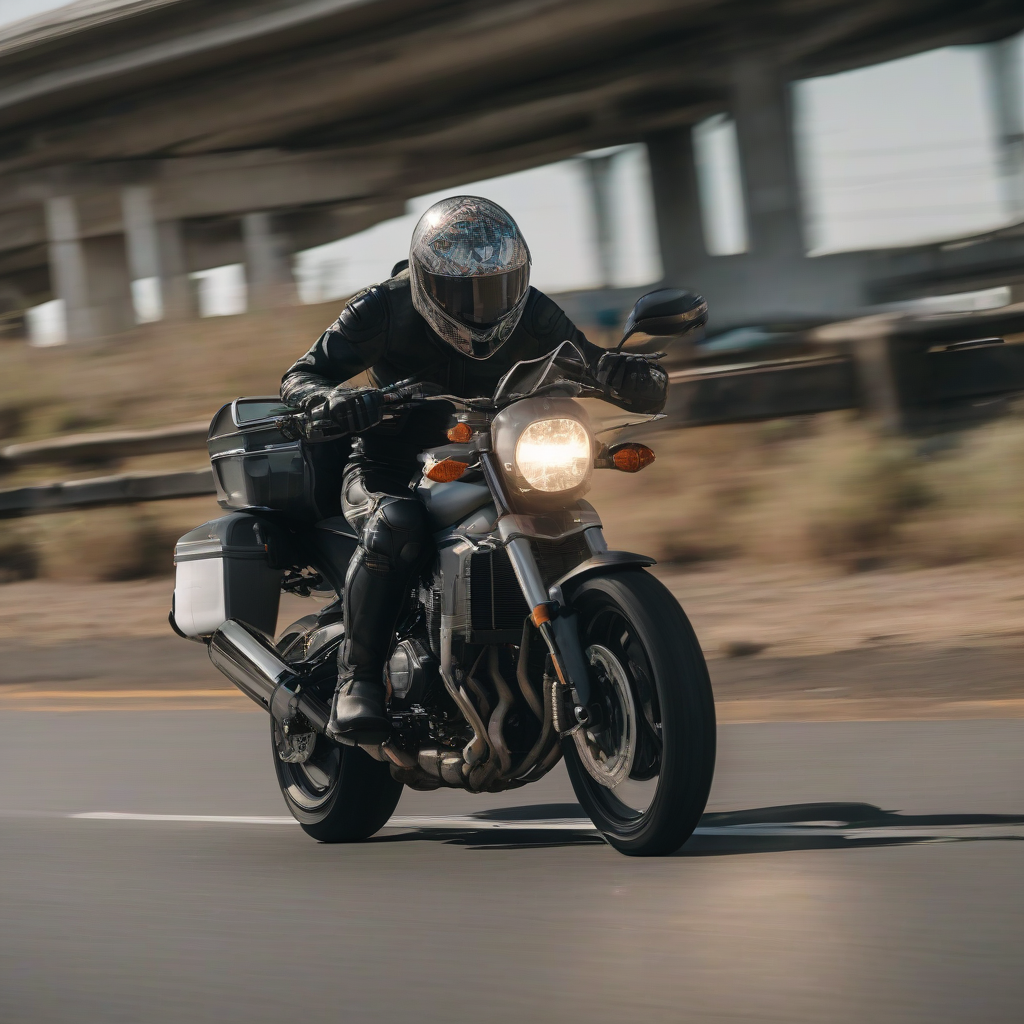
355,409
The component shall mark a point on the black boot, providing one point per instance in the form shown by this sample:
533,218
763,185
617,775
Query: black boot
358,713
376,589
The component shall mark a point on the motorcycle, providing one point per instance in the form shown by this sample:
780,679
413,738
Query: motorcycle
525,641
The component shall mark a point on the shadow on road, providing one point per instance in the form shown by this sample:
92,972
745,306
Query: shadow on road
789,827
839,825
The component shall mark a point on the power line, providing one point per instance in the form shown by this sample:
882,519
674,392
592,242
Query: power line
924,147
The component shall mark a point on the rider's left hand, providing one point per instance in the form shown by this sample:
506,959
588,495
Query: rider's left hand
634,380
355,409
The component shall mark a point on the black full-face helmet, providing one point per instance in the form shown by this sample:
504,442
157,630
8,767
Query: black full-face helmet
470,271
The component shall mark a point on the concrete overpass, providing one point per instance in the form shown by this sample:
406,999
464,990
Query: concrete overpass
151,138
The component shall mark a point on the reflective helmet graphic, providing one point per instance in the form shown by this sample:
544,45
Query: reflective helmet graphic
470,270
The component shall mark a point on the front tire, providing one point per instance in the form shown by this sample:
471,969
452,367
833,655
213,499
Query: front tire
644,774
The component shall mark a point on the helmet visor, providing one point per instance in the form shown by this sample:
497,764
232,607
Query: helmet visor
478,300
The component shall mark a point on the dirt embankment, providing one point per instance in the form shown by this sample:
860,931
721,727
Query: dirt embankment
782,643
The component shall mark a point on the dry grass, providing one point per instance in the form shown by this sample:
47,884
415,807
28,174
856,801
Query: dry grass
105,545
825,490
155,375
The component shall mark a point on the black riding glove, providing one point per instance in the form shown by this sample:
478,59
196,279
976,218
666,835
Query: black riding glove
355,409
633,380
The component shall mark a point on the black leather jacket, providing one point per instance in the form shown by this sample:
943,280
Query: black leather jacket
381,333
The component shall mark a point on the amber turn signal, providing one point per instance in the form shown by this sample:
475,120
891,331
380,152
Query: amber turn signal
631,458
460,433
447,470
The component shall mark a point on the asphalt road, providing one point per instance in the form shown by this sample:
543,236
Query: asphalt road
801,899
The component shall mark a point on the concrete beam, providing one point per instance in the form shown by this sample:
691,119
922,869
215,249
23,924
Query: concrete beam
432,59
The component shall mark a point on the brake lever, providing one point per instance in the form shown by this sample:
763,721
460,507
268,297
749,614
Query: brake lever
292,427
311,429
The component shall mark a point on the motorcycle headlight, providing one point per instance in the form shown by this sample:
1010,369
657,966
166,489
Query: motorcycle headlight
554,454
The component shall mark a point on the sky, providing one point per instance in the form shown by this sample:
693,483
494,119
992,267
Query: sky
888,155
15,10
899,152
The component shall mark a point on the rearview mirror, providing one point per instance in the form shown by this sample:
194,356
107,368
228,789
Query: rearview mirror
666,312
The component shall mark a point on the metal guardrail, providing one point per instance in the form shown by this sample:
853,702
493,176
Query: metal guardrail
760,391
125,489
121,444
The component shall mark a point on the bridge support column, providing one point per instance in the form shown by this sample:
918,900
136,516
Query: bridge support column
268,271
109,285
1006,80
677,204
176,287
155,250
761,107
140,232
90,275
598,170
67,266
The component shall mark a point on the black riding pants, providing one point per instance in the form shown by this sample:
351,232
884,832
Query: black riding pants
394,543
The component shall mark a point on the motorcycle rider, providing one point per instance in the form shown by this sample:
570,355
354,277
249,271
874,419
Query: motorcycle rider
459,315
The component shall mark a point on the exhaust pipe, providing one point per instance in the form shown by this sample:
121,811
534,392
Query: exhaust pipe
248,658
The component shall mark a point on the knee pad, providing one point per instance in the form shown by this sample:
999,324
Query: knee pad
396,531
404,515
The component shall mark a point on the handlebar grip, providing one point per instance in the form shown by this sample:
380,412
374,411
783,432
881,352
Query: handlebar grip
399,395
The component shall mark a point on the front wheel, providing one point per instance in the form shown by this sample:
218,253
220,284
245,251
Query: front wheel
643,771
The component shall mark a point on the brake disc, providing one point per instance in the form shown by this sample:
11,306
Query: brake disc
608,753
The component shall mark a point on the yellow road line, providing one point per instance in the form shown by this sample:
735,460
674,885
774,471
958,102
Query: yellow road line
30,698
27,697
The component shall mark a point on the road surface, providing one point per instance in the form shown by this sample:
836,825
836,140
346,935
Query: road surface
847,872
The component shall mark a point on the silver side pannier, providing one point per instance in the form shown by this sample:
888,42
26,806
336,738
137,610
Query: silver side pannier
222,572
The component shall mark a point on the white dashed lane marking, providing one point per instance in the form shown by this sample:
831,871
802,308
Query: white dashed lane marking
464,823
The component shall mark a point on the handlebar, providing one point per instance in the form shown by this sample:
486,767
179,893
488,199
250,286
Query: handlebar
409,394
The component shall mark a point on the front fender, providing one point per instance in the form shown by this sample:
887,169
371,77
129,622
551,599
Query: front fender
607,561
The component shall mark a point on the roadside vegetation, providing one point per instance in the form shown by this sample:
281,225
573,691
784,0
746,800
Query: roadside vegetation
826,490
829,490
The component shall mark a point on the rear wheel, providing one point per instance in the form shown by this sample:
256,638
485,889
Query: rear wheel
339,794
644,770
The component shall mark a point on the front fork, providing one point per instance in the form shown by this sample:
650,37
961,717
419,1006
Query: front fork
554,620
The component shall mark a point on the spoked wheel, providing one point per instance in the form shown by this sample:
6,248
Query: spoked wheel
338,794
643,770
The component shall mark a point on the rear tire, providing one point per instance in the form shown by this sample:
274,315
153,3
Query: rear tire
350,799
651,674
340,794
